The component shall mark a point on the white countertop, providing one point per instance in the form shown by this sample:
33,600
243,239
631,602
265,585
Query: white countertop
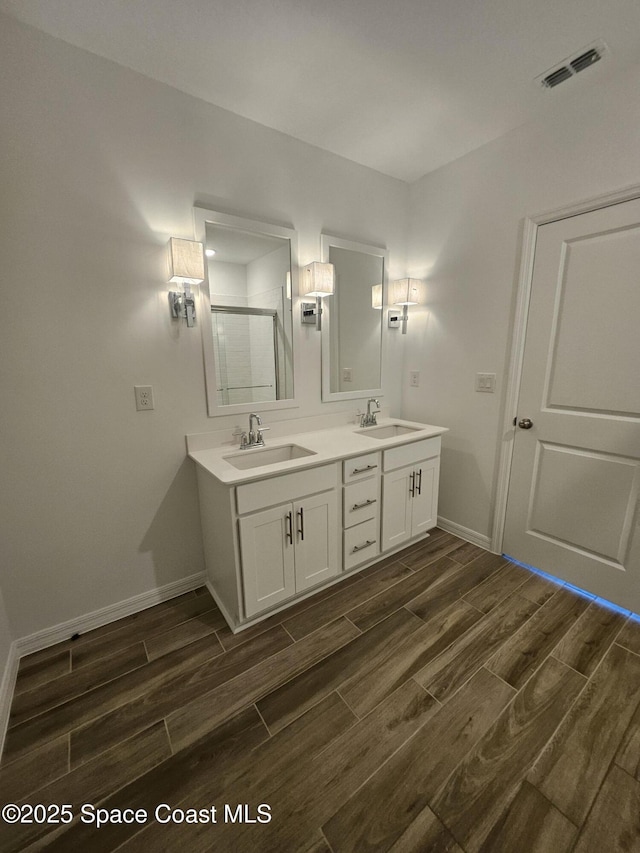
328,445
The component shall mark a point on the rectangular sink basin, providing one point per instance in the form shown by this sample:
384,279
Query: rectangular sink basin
256,457
388,431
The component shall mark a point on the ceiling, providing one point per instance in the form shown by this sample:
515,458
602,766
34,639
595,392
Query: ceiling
401,86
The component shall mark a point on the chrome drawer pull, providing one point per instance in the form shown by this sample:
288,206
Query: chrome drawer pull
366,545
368,502
366,468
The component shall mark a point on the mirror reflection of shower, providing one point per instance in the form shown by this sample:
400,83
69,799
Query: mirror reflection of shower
246,351
250,315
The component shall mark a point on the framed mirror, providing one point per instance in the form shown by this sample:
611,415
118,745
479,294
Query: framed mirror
352,320
245,312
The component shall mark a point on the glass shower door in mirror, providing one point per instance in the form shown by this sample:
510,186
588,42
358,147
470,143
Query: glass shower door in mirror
352,320
246,315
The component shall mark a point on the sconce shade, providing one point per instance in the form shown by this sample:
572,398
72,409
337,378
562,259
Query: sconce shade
186,261
406,291
376,296
318,280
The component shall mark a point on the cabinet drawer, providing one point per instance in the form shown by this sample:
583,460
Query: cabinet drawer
407,454
286,487
360,501
361,543
360,467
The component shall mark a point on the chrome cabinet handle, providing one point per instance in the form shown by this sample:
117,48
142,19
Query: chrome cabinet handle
366,468
419,475
367,544
412,487
368,502
289,531
301,528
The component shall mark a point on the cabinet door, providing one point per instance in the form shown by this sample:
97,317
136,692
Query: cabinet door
267,558
316,534
424,503
396,507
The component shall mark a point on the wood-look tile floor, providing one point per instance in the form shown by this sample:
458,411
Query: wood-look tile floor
444,700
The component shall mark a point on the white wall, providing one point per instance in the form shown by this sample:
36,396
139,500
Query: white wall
99,167
466,227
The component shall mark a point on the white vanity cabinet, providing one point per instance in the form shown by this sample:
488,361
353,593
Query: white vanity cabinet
275,533
290,547
409,491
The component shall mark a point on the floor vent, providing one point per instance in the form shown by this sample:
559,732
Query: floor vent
573,65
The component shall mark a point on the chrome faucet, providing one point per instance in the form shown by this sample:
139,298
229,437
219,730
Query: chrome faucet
254,438
370,418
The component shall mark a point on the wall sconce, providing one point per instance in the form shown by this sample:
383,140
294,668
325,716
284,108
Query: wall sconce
405,292
376,296
186,267
317,280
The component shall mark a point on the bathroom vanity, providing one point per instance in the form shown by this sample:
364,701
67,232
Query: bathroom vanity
287,519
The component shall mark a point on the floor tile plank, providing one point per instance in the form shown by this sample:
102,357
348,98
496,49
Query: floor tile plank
384,807
34,770
614,822
89,647
47,696
345,600
91,783
324,782
170,695
183,634
571,769
283,705
426,833
201,715
449,671
520,656
363,691
629,636
454,586
586,643
540,589
94,703
34,673
488,778
429,551
382,605
533,825
252,778
496,588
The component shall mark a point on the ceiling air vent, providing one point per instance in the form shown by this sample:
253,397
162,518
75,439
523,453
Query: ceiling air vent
573,65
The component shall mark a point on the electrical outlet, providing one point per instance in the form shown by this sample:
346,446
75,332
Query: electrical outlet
346,374
414,378
486,382
144,397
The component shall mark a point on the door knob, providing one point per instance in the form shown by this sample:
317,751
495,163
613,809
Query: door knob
525,423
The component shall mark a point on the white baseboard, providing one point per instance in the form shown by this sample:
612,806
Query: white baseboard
465,533
7,687
82,624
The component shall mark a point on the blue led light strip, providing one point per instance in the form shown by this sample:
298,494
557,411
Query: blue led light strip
583,592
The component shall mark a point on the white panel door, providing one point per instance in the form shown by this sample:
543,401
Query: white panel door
266,543
316,525
573,494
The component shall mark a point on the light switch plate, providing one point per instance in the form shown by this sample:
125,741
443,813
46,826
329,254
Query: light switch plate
414,378
486,382
346,374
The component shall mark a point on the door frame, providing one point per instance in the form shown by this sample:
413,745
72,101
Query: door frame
531,224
